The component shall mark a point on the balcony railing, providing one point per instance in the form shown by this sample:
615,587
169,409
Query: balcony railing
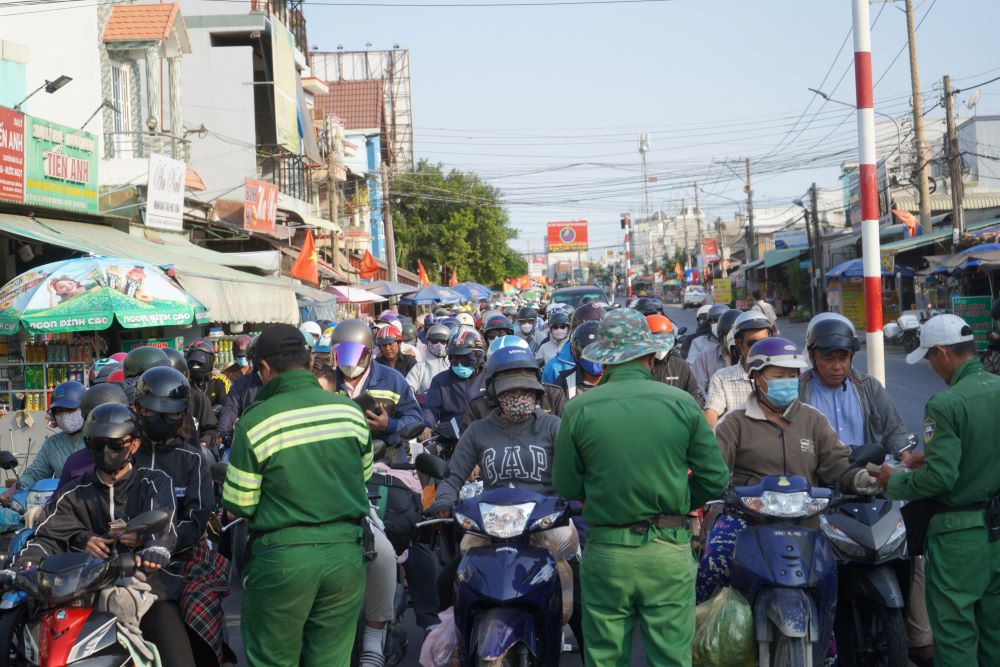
289,13
125,145
289,173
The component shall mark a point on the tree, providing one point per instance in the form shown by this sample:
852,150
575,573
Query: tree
453,222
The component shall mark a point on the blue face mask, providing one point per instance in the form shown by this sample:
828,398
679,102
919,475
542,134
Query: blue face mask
781,392
242,362
463,371
590,368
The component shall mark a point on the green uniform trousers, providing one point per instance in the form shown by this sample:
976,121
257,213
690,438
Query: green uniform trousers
301,604
652,583
963,590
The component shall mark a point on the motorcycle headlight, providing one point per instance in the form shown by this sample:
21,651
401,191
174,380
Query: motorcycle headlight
895,539
842,542
505,521
785,505
547,521
466,523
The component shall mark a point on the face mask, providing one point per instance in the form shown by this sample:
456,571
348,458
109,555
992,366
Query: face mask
715,329
590,368
69,422
109,460
516,405
159,427
463,371
437,349
560,334
199,373
781,392
242,362
660,356
527,327
352,371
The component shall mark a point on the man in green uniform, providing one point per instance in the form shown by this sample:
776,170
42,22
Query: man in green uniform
297,472
959,472
625,448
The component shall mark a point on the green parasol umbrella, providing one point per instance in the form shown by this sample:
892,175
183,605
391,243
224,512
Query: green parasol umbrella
85,294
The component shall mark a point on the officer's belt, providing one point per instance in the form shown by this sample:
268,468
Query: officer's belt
660,521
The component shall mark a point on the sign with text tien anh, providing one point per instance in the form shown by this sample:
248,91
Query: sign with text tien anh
60,166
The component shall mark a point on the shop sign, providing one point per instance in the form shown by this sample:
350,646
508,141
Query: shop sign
11,155
722,290
975,310
161,343
165,193
852,302
711,250
260,206
60,166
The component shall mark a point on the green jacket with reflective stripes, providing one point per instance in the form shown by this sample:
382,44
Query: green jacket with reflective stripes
300,458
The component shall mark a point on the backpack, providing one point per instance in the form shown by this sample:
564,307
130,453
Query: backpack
398,507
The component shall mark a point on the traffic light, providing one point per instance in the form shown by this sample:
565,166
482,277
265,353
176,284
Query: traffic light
625,221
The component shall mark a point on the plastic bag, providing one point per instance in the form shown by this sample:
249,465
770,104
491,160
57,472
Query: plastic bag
440,648
723,634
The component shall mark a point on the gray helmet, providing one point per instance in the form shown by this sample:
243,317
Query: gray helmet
351,344
752,320
352,331
439,331
716,311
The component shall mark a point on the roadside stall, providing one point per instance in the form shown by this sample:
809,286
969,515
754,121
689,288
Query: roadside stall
358,302
846,295
427,297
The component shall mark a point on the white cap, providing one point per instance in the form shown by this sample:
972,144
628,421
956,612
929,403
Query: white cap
940,330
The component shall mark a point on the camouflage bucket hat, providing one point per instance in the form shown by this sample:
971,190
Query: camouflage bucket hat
623,335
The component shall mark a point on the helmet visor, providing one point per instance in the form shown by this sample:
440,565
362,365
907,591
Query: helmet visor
349,354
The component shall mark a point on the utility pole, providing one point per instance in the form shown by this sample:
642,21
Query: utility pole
954,169
819,272
334,199
698,250
390,234
751,239
627,226
643,149
812,259
923,184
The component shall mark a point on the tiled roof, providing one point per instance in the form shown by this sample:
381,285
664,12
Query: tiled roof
359,103
140,22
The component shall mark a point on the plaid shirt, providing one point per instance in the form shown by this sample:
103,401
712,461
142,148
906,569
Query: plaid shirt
729,389
206,574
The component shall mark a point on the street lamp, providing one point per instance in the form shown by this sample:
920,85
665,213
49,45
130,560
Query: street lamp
49,87
899,143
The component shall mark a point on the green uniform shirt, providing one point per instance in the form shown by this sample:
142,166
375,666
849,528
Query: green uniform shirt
625,448
300,457
961,432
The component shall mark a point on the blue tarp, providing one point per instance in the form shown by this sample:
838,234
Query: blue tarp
432,294
853,268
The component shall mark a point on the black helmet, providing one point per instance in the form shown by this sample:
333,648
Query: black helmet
586,313
831,334
498,323
527,313
726,322
110,421
752,320
646,306
510,312
141,359
558,317
99,394
200,358
716,311
177,360
163,390
583,335
464,343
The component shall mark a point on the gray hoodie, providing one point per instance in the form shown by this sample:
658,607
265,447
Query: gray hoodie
507,455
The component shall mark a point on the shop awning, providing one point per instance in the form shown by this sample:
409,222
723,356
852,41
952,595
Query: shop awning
229,295
841,242
972,201
913,242
774,258
749,266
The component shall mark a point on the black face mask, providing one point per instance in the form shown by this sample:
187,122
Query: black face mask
160,427
200,373
109,460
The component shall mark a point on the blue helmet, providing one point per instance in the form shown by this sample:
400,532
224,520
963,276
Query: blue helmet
67,395
512,367
506,341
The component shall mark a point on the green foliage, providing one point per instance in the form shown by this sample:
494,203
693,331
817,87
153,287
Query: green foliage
798,282
453,221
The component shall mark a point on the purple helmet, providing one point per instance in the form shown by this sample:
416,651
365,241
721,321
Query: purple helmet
779,352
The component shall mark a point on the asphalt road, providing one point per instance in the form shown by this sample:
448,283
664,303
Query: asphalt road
909,386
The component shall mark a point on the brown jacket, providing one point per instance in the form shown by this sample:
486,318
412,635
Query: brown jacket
807,446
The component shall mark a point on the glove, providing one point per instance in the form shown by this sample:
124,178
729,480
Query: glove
156,555
865,484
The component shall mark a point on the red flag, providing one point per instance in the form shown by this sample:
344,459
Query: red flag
421,274
912,226
306,267
454,278
369,266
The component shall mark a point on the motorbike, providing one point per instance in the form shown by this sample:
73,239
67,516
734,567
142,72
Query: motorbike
904,331
61,620
30,503
508,594
991,355
786,569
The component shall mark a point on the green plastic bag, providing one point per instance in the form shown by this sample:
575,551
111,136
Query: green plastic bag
723,634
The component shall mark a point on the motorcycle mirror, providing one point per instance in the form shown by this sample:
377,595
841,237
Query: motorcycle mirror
865,454
378,449
410,431
152,521
432,466
219,471
7,460
682,331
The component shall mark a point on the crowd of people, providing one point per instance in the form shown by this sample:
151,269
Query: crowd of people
608,406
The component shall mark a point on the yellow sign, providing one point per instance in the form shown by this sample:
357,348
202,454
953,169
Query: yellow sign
852,302
888,258
722,290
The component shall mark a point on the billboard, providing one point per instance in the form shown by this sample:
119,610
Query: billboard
11,155
711,250
286,82
165,193
260,206
60,166
786,240
568,236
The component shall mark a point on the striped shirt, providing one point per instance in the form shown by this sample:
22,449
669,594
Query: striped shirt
729,389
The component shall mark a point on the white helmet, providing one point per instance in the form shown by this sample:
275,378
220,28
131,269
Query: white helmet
467,319
703,311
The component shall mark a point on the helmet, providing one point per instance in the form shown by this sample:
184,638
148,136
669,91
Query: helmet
510,312
498,323
527,313
726,322
200,359
313,329
583,335
322,345
119,357
202,345
558,317
116,376
99,395
646,306
512,368
585,313
452,323
779,352
438,332
177,360
465,343
409,331
240,345
110,421
352,345
831,331
502,342
659,324
389,316
752,320
67,395
141,359
387,335
99,365
716,311
703,313
104,371
466,318
163,390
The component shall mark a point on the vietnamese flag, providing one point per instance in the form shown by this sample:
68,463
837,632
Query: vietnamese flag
369,266
306,267
913,227
454,278
421,274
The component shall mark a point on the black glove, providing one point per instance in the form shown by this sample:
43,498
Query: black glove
156,555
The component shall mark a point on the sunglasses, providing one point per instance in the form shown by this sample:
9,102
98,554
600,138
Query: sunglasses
559,326
465,360
99,444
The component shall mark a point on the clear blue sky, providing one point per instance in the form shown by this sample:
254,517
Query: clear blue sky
562,92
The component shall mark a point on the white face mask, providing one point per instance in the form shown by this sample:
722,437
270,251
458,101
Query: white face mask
560,334
69,422
527,327
660,356
715,329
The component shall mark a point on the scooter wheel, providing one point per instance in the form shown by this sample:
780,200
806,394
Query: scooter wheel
12,621
910,343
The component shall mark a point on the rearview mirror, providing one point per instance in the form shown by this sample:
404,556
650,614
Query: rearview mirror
7,460
865,454
218,471
682,331
149,522
432,466
411,431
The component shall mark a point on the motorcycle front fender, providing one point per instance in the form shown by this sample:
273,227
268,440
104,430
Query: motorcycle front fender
790,611
500,629
880,584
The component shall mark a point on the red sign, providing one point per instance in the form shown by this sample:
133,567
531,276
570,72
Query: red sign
711,250
567,236
260,206
11,155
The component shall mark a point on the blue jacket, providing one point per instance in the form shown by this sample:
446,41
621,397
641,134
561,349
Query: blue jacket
562,362
449,397
387,384
239,398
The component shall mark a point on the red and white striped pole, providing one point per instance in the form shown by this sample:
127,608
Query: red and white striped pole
871,259
628,255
